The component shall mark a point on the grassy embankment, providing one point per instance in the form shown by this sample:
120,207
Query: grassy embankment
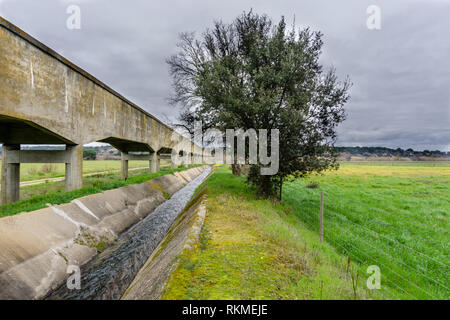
393,215
256,249
38,196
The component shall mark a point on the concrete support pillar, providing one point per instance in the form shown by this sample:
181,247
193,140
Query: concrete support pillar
74,167
154,162
10,176
173,165
196,159
124,167
158,162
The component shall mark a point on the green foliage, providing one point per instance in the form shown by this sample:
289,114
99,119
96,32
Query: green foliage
254,74
89,154
101,246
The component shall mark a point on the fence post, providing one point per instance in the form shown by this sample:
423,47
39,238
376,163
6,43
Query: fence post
321,217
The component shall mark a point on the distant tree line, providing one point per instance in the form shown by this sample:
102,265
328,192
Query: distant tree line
355,151
89,154
387,152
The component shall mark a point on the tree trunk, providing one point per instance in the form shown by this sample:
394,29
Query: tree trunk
236,169
281,187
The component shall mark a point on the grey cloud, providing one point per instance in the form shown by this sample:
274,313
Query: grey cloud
401,73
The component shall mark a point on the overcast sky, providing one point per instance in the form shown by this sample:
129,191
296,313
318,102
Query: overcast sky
401,73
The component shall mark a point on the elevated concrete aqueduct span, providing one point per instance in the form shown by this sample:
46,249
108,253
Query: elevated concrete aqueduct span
46,99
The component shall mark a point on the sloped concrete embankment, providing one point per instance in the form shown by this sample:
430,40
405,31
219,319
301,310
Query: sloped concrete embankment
184,235
37,247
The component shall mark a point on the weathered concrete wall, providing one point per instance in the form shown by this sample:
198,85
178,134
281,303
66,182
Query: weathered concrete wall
40,89
46,99
151,280
37,247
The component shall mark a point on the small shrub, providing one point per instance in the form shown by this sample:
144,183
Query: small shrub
312,185
47,168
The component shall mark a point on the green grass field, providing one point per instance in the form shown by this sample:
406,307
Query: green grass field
35,171
257,249
394,215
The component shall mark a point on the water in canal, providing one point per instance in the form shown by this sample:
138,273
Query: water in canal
110,273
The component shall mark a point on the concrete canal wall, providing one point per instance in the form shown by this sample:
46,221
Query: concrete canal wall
37,247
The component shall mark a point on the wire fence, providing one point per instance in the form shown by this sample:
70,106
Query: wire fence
411,266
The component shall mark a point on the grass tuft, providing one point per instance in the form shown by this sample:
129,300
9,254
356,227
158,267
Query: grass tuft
312,185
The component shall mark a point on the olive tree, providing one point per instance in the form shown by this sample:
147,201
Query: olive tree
253,73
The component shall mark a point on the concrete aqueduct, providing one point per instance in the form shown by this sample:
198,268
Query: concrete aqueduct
46,99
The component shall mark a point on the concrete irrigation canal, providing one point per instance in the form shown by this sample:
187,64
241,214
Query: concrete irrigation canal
132,234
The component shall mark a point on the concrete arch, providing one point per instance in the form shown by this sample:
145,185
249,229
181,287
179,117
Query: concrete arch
13,133
127,146
18,131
